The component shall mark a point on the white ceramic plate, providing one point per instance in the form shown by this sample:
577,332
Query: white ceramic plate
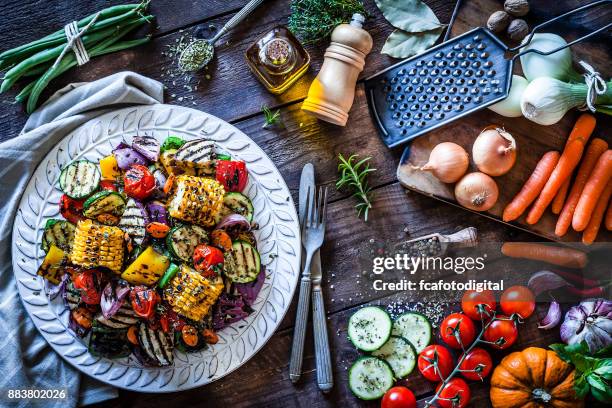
278,242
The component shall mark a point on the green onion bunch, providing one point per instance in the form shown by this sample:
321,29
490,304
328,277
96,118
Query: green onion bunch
36,59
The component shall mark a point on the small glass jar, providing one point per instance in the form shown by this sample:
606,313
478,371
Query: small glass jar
277,59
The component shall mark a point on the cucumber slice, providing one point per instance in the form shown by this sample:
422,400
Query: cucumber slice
79,179
370,378
415,328
238,203
400,355
59,233
369,328
182,240
246,263
104,202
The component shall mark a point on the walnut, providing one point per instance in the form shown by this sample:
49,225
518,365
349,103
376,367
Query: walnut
498,21
517,8
518,29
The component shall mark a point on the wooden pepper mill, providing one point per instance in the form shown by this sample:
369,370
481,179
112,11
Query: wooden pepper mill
331,94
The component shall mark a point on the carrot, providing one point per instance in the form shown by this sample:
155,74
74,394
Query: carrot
557,204
168,185
221,240
592,228
210,337
83,317
592,154
568,257
132,335
609,217
595,185
567,163
157,229
532,186
190,335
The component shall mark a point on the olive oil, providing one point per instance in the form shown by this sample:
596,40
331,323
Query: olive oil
277,59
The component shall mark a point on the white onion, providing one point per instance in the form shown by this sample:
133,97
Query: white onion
476,191
494,151
511,106
448,162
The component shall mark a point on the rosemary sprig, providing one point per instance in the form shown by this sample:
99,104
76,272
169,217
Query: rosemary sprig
271,118
314,20
355,176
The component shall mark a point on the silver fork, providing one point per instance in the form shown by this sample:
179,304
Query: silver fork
313,232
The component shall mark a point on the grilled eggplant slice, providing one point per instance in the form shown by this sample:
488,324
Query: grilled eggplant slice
124,318
109,343
134,220
156,344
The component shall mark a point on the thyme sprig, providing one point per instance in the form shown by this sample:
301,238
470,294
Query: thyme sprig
354,174
271,118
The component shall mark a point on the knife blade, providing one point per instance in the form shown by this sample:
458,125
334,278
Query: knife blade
307,181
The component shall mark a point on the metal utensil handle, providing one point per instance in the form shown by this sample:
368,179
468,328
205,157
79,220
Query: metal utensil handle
546,23
325,378
299,333
238,17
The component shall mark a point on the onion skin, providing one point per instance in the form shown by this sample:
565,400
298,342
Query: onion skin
448,162
494,151
476,191
511,106
545,281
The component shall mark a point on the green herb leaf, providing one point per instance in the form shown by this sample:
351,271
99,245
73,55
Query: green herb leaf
604,369
412,16
401,44
596,382
581,386
354,175
271,118
604,396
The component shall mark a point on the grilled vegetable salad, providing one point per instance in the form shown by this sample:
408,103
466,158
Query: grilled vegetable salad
155,250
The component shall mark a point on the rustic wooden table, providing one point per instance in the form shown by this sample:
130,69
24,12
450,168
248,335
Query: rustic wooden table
229,91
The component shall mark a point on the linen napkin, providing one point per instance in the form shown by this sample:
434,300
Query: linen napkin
26,360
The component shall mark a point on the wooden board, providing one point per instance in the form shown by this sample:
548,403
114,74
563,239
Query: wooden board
533,140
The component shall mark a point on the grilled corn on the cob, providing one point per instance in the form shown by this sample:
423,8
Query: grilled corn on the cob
97,245
191,294
196,199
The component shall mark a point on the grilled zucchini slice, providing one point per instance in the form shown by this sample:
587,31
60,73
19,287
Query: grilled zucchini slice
246,263
183,239
79,179
104,202
59,233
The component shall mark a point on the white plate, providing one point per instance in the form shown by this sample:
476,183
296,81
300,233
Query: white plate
277,239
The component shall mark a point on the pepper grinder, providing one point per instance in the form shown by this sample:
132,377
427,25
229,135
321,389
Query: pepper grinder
331,94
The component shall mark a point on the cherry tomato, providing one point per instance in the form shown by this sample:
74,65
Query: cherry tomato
232,174
190,335
138,182
457,330
210,337
398,397
455,394
518,300
478,305
144,301
501,329
71,209
108,185
208,260
435,362
90,284
169,320
477,364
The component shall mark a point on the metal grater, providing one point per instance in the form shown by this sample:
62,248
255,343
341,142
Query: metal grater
449,81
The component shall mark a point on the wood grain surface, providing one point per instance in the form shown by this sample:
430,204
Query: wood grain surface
227,89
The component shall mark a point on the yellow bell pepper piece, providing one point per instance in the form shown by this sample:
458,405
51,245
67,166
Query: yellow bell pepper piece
147,269
52,267
109,168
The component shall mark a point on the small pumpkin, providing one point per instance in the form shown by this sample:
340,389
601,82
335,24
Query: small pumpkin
534,378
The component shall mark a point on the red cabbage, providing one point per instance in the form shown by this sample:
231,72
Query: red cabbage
249,291
127,156
229,309
113,296
147,146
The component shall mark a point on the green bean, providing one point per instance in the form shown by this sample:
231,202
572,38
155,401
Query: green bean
20,69
68,62
108,17
38,70
25,92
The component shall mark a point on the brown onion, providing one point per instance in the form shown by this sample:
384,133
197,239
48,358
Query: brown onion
494,151
448,162
476,191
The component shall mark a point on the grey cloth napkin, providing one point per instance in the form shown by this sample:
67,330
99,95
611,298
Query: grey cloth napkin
26,360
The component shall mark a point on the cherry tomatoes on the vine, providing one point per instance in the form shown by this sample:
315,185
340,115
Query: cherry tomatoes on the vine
478,305
455,394
502,333
398,397
435,362
477,364
518,300
458,330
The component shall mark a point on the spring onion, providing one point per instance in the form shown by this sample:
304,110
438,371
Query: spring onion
546,100
511,106
557,65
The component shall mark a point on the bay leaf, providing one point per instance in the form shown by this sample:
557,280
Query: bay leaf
412,16
401,44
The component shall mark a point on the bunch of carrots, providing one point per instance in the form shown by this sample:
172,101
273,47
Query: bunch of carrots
585,203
